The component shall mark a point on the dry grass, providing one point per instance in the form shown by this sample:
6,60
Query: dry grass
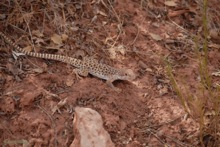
206,104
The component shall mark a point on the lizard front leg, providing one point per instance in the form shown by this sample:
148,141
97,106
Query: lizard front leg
110,84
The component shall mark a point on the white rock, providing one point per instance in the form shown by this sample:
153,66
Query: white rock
88,129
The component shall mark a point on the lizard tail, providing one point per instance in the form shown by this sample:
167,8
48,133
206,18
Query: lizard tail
61,58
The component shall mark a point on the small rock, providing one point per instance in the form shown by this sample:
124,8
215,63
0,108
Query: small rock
89,131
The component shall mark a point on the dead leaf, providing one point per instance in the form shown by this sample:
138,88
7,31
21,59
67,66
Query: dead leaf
217,74
38,70
28,48
94,18
177,13
56,39
170,3
112,53
217,46
102,13
2,16
38,40
121,49
69,81
155,36
37,33
117,49
214,33
59,105
207,116
64,37
104,23
74,29
163,91
62,103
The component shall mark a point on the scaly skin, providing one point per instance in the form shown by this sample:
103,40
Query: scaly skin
84,67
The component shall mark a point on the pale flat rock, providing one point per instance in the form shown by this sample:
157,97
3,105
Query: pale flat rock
88,129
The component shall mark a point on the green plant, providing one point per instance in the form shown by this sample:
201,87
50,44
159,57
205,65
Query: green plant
208,97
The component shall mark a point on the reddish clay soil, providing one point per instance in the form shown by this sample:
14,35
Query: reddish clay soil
38,96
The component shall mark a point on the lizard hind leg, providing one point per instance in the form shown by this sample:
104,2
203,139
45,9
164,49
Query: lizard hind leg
80,72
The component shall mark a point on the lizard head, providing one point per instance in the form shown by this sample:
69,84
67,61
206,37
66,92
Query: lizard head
126,74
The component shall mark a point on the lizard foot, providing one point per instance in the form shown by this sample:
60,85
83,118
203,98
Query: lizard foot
109,83
78,77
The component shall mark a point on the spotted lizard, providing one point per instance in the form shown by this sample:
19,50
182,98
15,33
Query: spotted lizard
83,67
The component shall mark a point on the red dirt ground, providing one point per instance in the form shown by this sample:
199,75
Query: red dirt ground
38,97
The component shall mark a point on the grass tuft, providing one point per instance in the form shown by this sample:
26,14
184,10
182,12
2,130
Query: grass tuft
206,101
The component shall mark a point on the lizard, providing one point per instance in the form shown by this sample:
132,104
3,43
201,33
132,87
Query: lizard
83,67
